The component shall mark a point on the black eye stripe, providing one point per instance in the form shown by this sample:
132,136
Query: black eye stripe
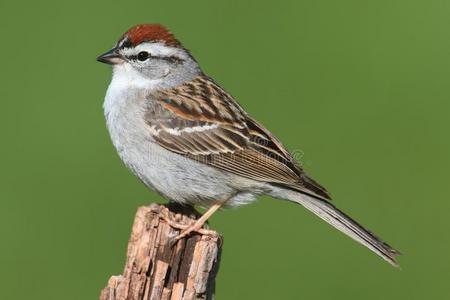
171,59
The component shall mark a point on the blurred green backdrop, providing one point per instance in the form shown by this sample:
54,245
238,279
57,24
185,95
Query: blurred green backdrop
360,87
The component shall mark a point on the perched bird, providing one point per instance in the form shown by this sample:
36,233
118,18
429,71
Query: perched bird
188,139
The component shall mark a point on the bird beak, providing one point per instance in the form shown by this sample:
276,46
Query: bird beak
112,57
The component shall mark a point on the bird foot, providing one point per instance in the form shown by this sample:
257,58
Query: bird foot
186,230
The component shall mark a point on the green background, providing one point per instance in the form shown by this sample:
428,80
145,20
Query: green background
360,87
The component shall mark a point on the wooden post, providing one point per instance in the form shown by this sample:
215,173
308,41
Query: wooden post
157,270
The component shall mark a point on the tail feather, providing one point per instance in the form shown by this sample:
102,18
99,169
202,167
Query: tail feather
333,216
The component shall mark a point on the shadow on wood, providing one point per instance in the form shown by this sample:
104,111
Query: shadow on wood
154,270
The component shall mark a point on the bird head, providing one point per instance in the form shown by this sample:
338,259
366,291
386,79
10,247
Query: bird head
150,52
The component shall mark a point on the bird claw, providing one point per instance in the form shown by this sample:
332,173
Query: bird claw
186,229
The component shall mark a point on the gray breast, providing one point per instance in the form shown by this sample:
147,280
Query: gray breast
174,176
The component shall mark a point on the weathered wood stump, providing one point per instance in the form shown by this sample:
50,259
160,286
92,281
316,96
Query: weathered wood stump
157,270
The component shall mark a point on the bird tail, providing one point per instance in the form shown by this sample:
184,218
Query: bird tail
336,218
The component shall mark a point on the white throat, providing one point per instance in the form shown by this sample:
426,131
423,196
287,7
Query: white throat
125,76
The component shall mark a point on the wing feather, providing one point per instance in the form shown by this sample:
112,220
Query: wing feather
203,122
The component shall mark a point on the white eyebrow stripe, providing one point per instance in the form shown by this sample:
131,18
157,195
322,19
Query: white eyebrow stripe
155,49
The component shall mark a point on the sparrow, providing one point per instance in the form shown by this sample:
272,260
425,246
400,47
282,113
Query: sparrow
188,139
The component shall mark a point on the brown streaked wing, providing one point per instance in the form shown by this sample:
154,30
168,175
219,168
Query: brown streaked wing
197,137
269,143
204,123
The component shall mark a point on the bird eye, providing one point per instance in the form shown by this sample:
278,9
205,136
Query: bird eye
143,56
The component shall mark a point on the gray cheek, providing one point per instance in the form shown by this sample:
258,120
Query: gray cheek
154,69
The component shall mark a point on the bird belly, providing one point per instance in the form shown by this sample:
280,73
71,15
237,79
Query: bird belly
181,179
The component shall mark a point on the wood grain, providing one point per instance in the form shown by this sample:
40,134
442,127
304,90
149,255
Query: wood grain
155,270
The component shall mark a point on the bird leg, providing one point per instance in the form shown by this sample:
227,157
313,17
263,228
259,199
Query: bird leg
197,226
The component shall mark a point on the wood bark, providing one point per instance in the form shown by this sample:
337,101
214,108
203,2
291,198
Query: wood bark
157,270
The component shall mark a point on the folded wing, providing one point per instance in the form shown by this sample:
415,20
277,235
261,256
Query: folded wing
203,122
